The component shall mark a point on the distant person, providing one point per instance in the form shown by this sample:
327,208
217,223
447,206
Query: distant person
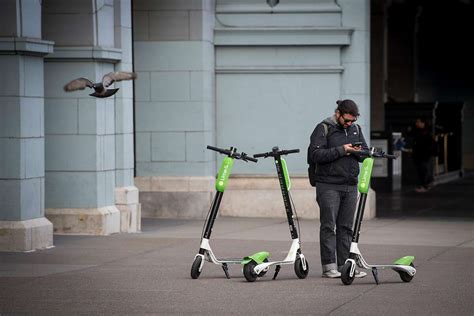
333,150
423,152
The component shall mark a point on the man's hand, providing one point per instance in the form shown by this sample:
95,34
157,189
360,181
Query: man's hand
349,149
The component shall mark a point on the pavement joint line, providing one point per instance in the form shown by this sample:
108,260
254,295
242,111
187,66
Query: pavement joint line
448,249
353,299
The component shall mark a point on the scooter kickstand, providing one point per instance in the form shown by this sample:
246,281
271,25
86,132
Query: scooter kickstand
277,269
376,275
226,270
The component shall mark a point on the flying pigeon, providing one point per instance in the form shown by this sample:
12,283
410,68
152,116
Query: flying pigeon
100,88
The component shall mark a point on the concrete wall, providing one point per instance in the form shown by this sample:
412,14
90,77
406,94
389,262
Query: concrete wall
278,72
174,60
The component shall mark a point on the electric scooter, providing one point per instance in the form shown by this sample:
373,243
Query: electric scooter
404,266
205,251
255,266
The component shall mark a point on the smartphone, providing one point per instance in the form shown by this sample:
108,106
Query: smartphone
357,144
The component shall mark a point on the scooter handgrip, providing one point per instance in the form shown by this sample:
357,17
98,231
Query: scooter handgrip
292,151
223,151
390,156
260,155
251,159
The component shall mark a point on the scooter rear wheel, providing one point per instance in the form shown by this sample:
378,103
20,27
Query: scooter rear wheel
249,273
195,267
345,273
300,272
405,276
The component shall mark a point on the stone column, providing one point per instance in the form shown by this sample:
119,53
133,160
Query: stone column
23,226
126,193
80,130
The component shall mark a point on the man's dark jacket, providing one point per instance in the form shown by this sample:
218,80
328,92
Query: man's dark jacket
334,166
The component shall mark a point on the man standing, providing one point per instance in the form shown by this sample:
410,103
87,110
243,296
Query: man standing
334,150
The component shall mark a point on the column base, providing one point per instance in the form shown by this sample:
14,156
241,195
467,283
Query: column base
28,235
126,199
175,197
85,221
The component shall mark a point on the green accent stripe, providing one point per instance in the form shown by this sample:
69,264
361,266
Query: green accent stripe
365,174
286,174
224,173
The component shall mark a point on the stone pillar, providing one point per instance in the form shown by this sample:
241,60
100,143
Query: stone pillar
126,194
174,60
23,226
80,130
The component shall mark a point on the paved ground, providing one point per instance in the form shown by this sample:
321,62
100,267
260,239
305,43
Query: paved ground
148,273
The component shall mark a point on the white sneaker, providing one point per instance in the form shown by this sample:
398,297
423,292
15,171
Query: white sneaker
359,274
332,274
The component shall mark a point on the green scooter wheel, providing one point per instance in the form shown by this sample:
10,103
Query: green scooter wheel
345,273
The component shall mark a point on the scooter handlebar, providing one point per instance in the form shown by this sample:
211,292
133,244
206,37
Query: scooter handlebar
390,156
249,158
265,155
277,152
376,154
291,151
219,150
232,153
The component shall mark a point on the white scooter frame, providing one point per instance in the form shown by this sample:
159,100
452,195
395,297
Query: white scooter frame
257,268
404,266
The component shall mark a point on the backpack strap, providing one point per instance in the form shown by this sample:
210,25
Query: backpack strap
358,130
325,129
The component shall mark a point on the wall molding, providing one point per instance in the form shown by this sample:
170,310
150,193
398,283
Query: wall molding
86,53
251,36
278,69
25,46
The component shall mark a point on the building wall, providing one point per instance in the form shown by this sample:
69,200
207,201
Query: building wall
277,72
174,60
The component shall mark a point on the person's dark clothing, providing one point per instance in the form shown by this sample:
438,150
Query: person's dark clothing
423,145
327,151
336,188
337,206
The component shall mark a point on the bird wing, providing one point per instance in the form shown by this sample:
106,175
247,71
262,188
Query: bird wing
78,84
111,77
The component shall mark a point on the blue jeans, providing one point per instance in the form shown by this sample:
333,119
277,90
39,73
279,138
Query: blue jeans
337,204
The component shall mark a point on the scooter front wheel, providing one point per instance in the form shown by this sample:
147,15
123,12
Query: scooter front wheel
405,276
300,272
195,267
345,273
249,272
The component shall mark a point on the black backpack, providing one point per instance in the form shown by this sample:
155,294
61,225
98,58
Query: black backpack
311,165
